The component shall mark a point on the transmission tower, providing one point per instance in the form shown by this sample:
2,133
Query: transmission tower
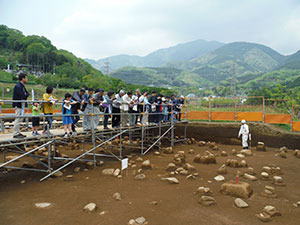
106,67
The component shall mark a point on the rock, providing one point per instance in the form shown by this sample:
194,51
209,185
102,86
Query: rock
282,154
246,152
108,172
117,196
10,157
241,190
191,151
103,213
232,163
201,143
27,164
183,172
139,159
171,167
69,178
203,191
261,147
43,205
264,217
156,153
267,169
171,180
179,159
271,210
212,144
90,164
140,220
116,172
243,163
58,174
77,169
168,150
249,177
146,165
215,148
190,168
206,159
283,149
264,175
140,177
91,207
250,171
240,155
23,182
190,177
207,200
222,170
233,152
224,153
277,180
269,192
219,178
85,169
240,203
154,203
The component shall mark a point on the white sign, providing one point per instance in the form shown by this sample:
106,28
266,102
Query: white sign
124,163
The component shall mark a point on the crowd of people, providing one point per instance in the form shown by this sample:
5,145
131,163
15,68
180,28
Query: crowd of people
124,108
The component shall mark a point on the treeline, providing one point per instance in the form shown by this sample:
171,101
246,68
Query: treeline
59,66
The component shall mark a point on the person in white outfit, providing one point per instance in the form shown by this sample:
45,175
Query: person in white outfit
244,132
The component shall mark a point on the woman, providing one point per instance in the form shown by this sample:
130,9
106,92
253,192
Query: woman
107,105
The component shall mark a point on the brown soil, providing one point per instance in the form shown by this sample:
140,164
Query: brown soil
177,204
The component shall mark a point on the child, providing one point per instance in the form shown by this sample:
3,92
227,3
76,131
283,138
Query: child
48,107
66,110
35,120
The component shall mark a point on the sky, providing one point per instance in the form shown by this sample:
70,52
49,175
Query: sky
101,28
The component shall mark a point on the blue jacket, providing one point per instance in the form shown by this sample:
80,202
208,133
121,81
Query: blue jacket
20,93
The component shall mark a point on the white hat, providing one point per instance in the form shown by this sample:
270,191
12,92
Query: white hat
181,96
243,121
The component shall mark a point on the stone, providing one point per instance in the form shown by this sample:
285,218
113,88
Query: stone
116,172
206,159
91,207
267,169
117,196
77,169
171,180
168,150
140,177
282,154
85,169
241,189
27,164
189,141
283,149
232,163
219,178
269,192
240,155
264,217
58,174
23,182
146,165
203,191
171,167
190,177
250,171
207,200
156,153
154,203
224,153
271,210
108,172
264,175
140,220
243,163
246,152
103,213
10,157
90,163
190,168
139,159
201,143
183,172
222,170
191,151
261,147
212,145
43,205
215,148
277,180
240,203
249,177
69,178
233,152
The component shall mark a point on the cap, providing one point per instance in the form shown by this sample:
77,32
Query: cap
243,121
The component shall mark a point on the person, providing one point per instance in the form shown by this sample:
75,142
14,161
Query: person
138,107
159,115
141,105
244,132
35,118
126,101
97,102
152,101
181,103
88,101
147,108
47,108
117,102
20,93
77,97
165,110
133,110
66,111
107,105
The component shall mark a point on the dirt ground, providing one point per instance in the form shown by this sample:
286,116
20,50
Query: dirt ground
177,203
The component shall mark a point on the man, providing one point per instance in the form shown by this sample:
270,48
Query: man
78,97
88,101
141,105
98,101
20,93
153,101
126,101
137,108
117,102
244,131
181,103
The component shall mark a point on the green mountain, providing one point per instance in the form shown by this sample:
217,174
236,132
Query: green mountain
180,52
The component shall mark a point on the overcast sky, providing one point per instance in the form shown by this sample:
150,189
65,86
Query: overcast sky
100,28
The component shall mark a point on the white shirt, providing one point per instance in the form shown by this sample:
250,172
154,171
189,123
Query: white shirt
244,130
125,103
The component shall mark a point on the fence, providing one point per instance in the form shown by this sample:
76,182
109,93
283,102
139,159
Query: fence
253,109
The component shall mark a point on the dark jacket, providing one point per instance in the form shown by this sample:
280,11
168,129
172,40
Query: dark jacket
78,98
20,93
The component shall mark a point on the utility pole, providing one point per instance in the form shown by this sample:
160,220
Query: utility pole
233,84
106,66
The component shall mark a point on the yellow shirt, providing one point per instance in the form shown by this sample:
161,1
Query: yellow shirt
48,106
